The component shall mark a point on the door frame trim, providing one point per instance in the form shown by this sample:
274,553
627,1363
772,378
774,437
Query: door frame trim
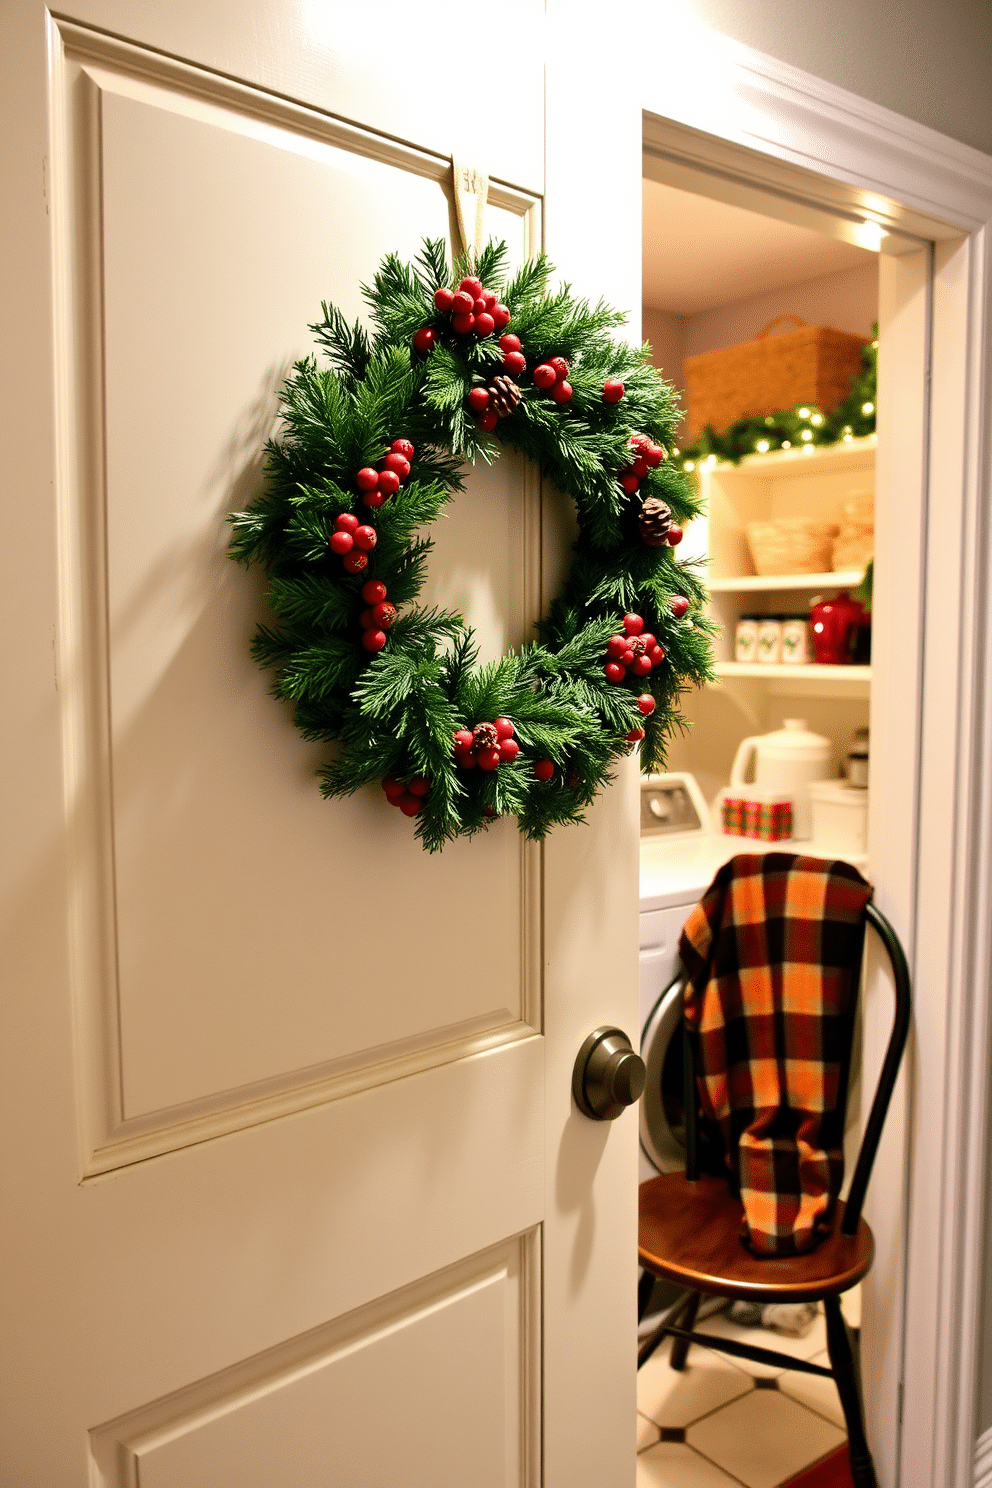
754,127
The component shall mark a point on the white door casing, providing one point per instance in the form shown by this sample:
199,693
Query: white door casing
284,1193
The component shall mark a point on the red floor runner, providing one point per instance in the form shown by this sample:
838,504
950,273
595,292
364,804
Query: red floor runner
832,1472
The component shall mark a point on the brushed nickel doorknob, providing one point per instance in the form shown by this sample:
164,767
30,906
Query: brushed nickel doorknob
607,1076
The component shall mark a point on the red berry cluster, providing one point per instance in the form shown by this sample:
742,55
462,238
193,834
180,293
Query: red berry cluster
408,796
633,650
385,480
513,358
352,542
474,310
487,745
552,376
645,456
378,617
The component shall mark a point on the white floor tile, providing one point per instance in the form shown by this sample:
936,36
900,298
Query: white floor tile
647,1432
672,1465
763,1438
801,1348
813,1390
672,1397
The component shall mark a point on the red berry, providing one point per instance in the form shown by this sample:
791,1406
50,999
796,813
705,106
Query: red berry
646,704
374,640
383,615
654,454
675,535
393,787
464,738
443,299
635,735
424,340
679,606
389,482
365,538
402,447
484,324
488,421
629,483
463,323
465,758
509,342
373,591
648,641
504,728
612,390
657,655
366,621
341,543
355,561
418,787
488,759
410,805
633,624
491,812
373,499
544,375
616,646
614,672
544,769
562,392
478,306
461,303
367,479
478,399
398,463
640,666
561,367
508,751
515,362
638,441
640,467
501,316
471,286
488,300
627,659
346,522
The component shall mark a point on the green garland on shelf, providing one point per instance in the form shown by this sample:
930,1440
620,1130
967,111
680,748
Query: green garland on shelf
371,451
853,419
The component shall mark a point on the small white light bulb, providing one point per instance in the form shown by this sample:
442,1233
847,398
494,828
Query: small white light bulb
867,408
690,465
762,446
786,443
816,420
804,413
807,434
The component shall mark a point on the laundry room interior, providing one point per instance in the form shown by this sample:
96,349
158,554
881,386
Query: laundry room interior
776,755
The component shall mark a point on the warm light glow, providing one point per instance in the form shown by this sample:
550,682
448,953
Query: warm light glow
817,420
786,443
762,446
848,438
807,434
817,626
869,235
867,408
675,452
690,465
804,413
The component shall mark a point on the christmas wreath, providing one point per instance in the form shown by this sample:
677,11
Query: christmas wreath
372,449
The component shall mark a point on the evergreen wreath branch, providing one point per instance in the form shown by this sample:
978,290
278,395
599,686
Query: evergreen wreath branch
372,448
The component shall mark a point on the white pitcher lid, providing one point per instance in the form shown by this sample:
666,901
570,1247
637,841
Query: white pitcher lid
795,735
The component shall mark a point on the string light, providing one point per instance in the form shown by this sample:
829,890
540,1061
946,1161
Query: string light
689,465
817,420
807,434
804,413
786,443
867,408
762,446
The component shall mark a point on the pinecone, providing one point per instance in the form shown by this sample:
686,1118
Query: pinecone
654,521
485,736
504,395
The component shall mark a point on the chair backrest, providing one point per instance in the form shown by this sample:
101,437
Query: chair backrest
883,1091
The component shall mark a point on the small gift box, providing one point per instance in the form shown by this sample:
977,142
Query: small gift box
756,811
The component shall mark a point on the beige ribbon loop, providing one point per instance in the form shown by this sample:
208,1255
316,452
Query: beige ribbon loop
471,195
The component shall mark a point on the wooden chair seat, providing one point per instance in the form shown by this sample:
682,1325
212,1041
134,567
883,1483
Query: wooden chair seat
689,1234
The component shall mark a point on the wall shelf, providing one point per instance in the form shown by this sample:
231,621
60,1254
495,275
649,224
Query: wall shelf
777,671
766,583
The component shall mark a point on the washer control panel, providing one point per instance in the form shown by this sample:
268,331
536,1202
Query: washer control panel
670,804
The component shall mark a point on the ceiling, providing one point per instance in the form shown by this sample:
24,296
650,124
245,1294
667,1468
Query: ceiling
700,254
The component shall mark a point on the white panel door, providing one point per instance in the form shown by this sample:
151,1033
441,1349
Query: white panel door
284,1200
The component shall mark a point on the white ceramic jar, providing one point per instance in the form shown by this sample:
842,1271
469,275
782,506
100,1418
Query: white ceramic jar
789,759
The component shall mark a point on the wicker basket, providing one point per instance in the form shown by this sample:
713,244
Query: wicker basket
791,545
811,364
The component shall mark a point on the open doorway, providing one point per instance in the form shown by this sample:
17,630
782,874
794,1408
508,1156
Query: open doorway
718,274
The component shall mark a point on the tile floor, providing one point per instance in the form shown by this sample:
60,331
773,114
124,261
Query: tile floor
724,1423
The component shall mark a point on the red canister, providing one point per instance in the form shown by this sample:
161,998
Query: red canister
832,620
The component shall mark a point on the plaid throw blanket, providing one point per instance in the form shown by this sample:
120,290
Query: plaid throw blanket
772,953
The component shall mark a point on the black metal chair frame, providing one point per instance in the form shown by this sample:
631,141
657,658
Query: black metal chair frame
679,1320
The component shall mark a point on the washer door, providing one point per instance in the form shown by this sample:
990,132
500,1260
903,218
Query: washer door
662,1108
